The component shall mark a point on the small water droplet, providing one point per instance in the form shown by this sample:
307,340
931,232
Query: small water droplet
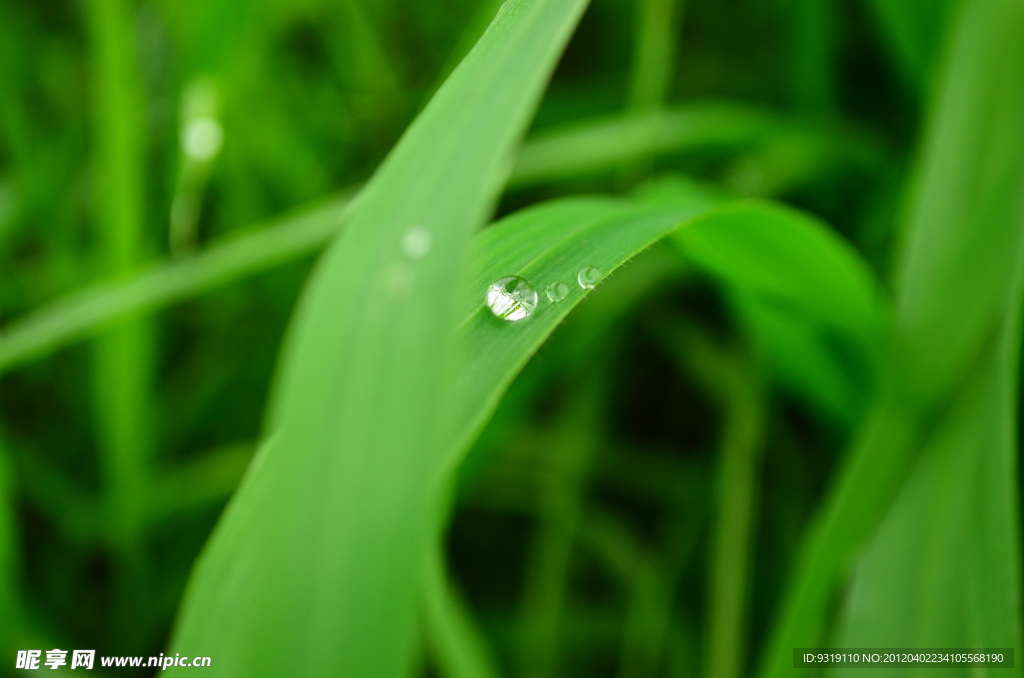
202,138
557,291
588,277
416,243
511,298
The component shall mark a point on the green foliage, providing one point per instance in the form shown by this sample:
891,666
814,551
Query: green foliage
946,400
741,442
362,491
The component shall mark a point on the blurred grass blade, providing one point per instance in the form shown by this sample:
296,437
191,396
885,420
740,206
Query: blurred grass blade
957,286
946,559
123,359
815,56
803,361
952,568
593,146
11,614
803,294
654,52
791,260
914,30
83,313
453,640
322,547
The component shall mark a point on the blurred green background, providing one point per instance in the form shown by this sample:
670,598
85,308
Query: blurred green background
138,134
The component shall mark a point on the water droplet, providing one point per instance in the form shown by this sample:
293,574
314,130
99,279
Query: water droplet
399,281
511,298
588,277
557,291
416,243
201,139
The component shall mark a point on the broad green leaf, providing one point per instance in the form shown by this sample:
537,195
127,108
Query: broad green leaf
958,295
321,548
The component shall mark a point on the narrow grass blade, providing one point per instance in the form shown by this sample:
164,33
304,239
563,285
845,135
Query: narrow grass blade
593,146
654,52
11,614
815,56
83,313
123,359
322,547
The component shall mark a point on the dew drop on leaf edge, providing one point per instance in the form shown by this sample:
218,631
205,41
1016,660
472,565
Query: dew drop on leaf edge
557,291
511,298
589,277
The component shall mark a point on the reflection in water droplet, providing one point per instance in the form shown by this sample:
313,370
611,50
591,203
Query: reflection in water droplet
588,277
511,298
557,291
416,243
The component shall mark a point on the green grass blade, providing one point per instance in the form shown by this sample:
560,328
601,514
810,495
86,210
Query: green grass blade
83,313
803,294
802,360
946,559
957,280
789,259
453,641
654,52
11,614
551,242
322,547
815,56
123,359
546,244
914,32
592,146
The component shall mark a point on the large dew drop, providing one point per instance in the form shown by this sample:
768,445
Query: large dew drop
588,277
557,291
511,298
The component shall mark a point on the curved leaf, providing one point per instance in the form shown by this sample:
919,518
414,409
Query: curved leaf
322,545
